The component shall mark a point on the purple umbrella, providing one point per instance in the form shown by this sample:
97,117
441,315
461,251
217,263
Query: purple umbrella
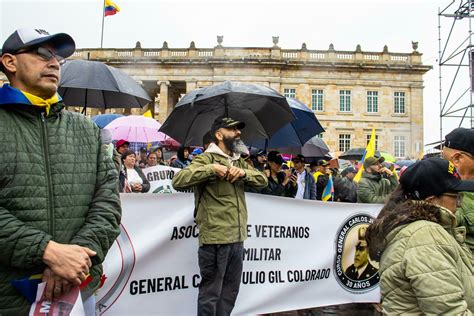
136,128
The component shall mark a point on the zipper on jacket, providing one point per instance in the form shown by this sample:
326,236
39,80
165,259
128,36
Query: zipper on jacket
49,186
238,212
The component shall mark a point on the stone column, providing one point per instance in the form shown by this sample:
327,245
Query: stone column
414,108
164,95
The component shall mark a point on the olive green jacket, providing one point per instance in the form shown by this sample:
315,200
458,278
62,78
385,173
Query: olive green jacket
221,209
465,217
374,189
427,269
56,183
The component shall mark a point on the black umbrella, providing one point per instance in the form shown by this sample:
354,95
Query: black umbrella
297,132
315,147
94,84
263,110
356,154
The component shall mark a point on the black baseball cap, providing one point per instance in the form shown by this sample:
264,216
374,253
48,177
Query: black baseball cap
433,177
323,162
261,152
62,43
275,157
298,158
460,139
226,122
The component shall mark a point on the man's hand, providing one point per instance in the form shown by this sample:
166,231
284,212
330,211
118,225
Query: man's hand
55,286
235,174
220,170
293,179
70,262
386,171
137,187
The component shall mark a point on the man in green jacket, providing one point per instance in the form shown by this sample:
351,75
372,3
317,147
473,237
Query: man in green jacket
458,148
218,177
376,183
59,203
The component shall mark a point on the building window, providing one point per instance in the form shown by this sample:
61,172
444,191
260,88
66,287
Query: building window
372,101
344,100
289,93
399,146
344,142
317,100
376,141
399,102
320,135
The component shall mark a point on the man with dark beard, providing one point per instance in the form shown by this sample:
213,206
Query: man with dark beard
218,177
377,182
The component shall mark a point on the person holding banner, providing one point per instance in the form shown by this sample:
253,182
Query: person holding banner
131,176
218,177
59,207
425,266
377,182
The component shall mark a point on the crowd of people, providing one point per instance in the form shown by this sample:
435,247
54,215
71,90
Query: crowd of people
60,207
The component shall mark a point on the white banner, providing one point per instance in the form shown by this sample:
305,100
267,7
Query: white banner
160,178
299,254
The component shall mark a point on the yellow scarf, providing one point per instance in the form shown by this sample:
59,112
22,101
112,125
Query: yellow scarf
37,101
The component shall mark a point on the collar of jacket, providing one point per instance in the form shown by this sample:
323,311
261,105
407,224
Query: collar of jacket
214,149
370,176
447,221
13,96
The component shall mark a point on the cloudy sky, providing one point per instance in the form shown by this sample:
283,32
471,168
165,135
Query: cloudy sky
318,23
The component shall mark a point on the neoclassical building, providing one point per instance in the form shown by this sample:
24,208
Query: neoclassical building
350,92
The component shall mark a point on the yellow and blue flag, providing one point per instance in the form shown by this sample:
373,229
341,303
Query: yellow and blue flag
328,193
110,8
369,152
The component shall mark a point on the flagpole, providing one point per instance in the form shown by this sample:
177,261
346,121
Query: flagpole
103,17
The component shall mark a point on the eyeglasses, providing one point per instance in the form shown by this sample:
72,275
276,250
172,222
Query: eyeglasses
45,54
459,198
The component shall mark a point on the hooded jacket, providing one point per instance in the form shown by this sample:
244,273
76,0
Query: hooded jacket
426,268
57,182
373,188
180,162
221,207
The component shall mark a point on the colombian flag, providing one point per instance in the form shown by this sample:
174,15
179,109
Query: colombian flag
369,152
110,8
328,192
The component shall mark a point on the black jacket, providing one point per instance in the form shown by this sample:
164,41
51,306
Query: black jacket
345,190
278,189
123,176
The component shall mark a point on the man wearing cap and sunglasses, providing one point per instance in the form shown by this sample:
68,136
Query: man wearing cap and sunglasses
377,182
218,177
458,148
59,205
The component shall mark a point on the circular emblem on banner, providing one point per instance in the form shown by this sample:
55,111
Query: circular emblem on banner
163,189
353,268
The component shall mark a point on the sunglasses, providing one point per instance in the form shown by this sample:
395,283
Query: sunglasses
360,248
459,198
44,53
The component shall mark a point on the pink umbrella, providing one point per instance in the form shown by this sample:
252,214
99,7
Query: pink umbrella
136,128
